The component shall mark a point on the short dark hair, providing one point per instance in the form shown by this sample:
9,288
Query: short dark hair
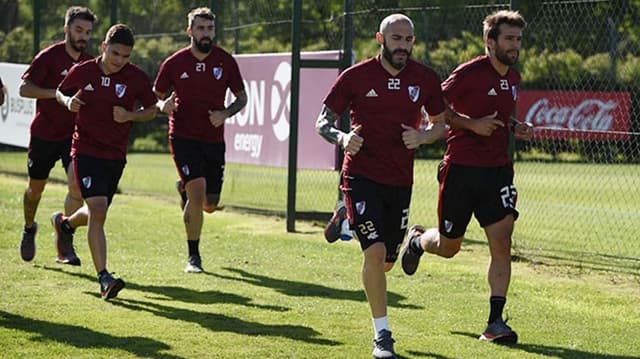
79,12
119,34
203,12
491,23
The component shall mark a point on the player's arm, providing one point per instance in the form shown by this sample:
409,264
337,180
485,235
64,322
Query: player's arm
217,118
121,115
167,105
483,126
351,142
238,104
30,90
413,138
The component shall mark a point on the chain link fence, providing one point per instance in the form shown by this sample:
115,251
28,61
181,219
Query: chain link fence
579,185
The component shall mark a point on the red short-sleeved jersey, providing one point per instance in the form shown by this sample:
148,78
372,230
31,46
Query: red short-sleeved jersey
200,86
381,102
476,89
52,121
96,133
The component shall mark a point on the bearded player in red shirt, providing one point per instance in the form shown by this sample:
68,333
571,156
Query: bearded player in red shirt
104,93
199,75
476,175
51,130
385,95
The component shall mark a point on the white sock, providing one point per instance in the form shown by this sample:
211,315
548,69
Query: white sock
379,324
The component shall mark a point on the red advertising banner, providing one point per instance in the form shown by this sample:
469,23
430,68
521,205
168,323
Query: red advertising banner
576,114
259,134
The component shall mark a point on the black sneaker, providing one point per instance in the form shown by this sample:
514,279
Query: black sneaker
499,332
182,192
383,346
194,265
334,228
28,243
411,259
109,286
64,242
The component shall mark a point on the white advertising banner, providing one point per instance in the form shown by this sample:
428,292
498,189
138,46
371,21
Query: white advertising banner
17,112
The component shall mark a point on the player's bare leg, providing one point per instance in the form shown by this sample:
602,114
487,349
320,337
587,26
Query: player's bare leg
30,201
193,219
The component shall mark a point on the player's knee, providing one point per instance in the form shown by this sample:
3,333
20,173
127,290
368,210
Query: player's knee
450,247
209,208
212,202
388,266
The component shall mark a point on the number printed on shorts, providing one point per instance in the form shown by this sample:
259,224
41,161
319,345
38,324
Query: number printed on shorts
404,221
508,195
367,227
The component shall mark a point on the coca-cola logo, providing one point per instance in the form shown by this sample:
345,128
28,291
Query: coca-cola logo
590,114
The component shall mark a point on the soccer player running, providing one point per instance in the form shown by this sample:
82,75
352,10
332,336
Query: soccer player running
385,95
199,75
476,175
104,92
51,130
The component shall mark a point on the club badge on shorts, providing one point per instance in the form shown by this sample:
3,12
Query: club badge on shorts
414,93
86,182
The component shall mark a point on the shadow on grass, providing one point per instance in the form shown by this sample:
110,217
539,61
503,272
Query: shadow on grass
419,354
83,338
551,351
211,321
223,323
182,294
302,289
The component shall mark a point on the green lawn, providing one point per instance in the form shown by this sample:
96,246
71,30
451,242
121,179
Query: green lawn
271,294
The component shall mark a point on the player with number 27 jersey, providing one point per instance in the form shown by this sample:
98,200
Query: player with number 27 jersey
202,86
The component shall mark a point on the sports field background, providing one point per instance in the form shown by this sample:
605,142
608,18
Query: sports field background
272,294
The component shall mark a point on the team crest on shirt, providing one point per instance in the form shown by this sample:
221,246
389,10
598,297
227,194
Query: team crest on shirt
217,72
120,90
86,182
514,92
185,170
361,207
414,93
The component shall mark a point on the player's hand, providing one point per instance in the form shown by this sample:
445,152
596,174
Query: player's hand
484,126
217,118
74,103
352,142
169,104
120,115
411,137
523,131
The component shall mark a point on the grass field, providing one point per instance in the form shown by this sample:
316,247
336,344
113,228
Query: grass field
271,294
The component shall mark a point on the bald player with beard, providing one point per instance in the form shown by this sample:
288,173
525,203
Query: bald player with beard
385,95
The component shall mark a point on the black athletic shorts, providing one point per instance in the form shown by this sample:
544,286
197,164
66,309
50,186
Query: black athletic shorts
486,192
195,159
42,156
377,213
98,177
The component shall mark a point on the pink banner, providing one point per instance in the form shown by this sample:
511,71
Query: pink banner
576,114
259,134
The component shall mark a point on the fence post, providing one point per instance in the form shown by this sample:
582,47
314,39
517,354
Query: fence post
293,115
36,26
114,12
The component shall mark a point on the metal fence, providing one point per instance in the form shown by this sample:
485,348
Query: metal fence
579,194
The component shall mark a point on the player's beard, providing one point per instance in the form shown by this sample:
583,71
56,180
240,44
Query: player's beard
503,57
204,45
78,45
388,54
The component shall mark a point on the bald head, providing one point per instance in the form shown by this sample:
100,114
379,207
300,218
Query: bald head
392,19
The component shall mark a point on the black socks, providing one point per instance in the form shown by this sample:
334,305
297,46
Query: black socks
497,305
